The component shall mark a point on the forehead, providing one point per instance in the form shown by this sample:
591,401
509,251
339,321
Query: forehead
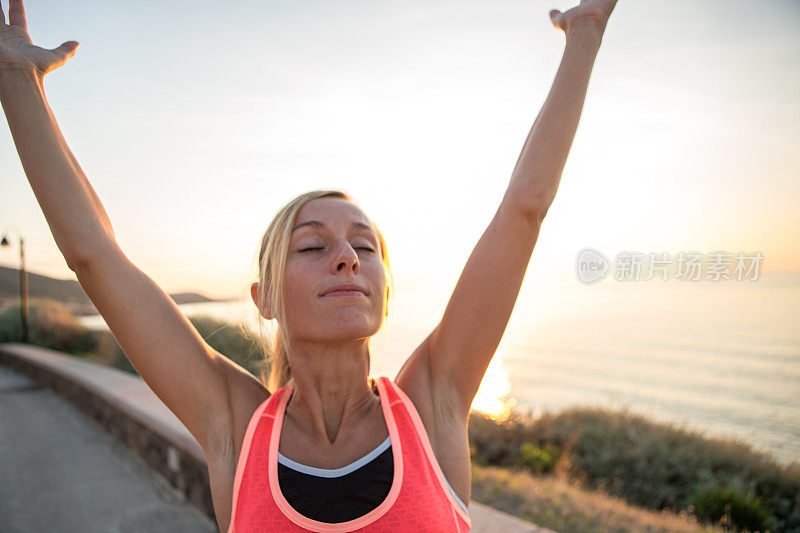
333,212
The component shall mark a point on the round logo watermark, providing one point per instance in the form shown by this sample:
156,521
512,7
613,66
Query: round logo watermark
591,265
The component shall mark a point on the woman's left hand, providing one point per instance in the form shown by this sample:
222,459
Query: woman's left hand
592,13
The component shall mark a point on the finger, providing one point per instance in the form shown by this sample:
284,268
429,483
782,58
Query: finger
16,14
67,49
555,18
2,15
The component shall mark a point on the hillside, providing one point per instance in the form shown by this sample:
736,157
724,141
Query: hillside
66,291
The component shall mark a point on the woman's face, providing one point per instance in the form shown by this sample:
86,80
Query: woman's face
333,243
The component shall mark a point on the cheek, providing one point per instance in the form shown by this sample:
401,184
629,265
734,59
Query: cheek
371,271
299,283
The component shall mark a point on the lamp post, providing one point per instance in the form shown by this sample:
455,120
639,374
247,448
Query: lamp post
23,282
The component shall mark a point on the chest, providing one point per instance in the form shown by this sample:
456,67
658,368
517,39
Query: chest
449,445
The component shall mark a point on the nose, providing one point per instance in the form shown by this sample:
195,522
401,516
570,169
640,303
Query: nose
346,259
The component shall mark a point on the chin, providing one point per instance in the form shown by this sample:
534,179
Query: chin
352,329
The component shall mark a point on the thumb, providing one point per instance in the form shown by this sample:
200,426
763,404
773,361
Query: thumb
68,48
555,18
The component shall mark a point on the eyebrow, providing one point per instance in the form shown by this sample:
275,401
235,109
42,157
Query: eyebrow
318,224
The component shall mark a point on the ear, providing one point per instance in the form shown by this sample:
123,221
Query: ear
265,311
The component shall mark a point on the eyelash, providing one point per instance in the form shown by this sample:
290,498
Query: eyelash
320,248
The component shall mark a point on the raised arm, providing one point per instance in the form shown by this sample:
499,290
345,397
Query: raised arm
57,181
170,355
455,356
538,170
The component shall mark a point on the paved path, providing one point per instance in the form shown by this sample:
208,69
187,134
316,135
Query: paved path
61,471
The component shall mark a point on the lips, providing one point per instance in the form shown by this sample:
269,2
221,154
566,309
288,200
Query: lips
344,290
344,294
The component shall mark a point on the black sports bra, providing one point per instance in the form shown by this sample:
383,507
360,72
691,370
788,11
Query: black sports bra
340,494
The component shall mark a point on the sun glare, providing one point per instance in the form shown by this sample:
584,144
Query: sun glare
493,396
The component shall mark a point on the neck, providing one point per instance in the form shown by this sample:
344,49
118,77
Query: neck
330,386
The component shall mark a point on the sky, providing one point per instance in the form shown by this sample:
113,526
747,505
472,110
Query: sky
195,122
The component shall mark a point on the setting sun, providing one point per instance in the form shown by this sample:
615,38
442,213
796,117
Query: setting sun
493,396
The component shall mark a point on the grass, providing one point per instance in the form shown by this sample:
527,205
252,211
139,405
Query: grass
647,464
560,505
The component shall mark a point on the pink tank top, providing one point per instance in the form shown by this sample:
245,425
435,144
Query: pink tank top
418,501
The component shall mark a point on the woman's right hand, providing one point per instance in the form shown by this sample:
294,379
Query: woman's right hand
18,53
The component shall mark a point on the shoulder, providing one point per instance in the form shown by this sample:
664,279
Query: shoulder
437,407
435,415
245,395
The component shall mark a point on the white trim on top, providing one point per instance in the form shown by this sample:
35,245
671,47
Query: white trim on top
335,472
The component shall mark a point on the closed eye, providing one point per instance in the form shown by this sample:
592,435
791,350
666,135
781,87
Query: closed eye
320,248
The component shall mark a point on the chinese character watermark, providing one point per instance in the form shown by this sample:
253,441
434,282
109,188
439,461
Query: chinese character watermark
591,266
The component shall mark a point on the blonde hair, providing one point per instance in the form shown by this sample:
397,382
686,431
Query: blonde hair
271,292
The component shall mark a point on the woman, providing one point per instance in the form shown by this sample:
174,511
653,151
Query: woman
322,447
